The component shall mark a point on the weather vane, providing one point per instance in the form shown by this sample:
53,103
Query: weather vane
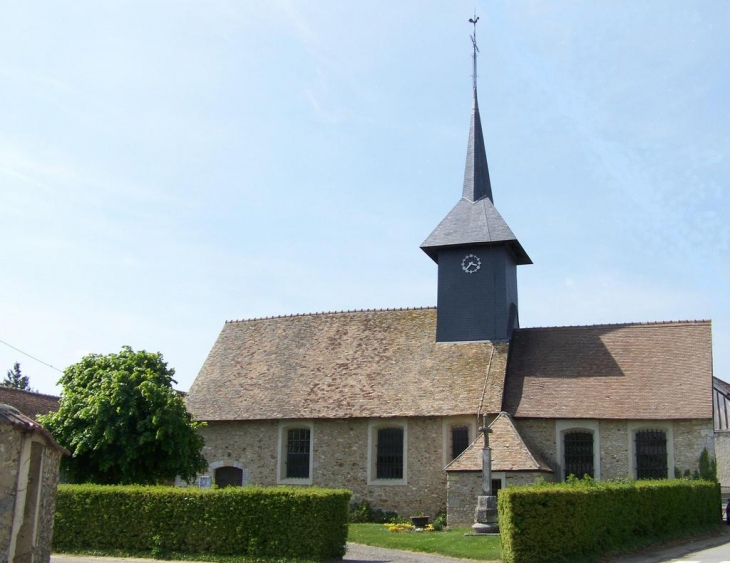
474,21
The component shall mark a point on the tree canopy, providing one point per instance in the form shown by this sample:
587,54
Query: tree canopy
124,423
16,379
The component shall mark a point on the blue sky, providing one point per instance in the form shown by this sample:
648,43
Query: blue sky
168,166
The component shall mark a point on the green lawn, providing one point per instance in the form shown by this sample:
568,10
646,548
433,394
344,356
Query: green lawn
452,543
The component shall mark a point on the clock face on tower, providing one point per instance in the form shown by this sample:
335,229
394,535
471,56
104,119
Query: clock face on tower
471,263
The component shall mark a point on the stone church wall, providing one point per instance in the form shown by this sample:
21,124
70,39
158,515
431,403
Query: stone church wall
722,451
690,437
339,459
463,488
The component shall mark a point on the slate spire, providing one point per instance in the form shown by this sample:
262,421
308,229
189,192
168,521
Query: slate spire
476,173
476,252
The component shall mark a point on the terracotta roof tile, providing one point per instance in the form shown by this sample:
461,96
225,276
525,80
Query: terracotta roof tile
344,365
28,402
12,416
638,371
509,451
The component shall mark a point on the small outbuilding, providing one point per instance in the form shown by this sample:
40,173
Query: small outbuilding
29,460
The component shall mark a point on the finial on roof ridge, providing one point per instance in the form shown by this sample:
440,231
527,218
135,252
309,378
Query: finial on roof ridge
473,36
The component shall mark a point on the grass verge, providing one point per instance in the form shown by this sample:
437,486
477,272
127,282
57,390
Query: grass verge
452,543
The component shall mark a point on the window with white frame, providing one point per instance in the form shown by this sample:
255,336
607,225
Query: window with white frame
459,440
458,434
578,453
295,453
387,452
651,449
578,448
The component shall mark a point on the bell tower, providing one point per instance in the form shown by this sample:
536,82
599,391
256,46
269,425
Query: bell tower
476,252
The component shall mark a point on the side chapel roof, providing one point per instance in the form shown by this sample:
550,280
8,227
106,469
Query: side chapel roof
638,371
509,450
382,363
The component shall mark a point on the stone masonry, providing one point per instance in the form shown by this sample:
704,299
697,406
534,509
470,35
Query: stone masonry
689,439
340,460
463,488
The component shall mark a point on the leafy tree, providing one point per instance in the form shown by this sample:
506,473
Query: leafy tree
16,379
124,423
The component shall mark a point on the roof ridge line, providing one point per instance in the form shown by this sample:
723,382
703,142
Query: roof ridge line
630,323
322,313
28,392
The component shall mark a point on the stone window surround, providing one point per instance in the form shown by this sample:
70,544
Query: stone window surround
448,423
566,425
284,427
373,426
666,426
218,464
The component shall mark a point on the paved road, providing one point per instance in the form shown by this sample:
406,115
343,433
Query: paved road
355,554
713,549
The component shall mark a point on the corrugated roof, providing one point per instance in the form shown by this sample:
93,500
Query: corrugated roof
344,365
509,451
637,371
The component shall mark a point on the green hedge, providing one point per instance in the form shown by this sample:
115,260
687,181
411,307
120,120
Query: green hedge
281,522
579,522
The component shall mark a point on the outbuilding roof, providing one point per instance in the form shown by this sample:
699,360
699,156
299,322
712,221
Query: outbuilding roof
638,371
382,363
29,403
13,417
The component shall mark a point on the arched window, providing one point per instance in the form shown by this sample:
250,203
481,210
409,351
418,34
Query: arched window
578,453
228,476
651,454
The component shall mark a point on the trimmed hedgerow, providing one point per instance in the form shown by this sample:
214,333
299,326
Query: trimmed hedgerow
582,520
281,522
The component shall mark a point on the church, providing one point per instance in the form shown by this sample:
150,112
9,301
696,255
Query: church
387,403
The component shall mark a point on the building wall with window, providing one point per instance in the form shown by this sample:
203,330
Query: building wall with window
29,460
343,455
616,441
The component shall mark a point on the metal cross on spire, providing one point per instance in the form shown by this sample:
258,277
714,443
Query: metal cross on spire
474,21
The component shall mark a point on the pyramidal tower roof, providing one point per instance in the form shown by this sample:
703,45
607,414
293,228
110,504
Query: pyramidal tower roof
474,220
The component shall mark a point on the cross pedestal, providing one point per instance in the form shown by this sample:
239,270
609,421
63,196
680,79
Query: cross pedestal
486,520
